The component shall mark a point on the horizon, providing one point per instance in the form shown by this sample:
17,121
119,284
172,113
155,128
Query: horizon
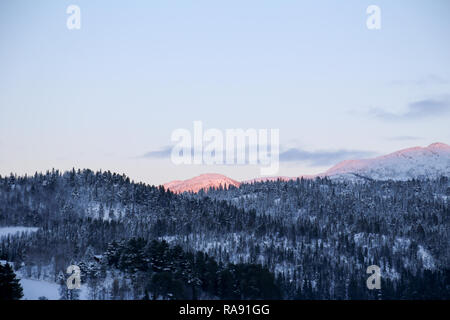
251,180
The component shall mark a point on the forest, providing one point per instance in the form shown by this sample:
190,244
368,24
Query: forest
297,239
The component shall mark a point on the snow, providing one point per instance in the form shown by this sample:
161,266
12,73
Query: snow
358,238
6,231
429,162
426,257
401,244
33,289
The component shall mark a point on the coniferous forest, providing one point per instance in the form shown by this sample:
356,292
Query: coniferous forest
298,239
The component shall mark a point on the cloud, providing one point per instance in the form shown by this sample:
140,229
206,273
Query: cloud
313,158
416,110
166,152
322,158
158,154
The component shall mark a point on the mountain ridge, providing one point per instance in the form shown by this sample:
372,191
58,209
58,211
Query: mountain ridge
203,181
409,163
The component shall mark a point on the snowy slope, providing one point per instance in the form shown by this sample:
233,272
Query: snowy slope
429,162
34,289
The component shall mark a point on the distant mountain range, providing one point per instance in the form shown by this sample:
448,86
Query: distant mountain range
412,163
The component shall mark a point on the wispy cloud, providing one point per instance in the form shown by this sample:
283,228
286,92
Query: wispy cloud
159,154
323,157
312,158
166,152
416,110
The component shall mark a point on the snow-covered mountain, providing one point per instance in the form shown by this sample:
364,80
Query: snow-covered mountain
417,162
429,162
203,181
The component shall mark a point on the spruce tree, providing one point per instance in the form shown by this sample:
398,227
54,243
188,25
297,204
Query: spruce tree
10,288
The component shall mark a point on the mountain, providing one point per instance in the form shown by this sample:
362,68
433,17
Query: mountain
429,162
412,163
203,181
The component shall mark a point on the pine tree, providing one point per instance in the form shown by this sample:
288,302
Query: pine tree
63,290
10,288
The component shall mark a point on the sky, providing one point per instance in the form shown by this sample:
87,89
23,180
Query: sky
109,95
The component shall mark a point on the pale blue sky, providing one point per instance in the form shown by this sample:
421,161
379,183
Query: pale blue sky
103,96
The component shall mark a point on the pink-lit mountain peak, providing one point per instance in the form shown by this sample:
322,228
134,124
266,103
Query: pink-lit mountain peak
203,181
439,146
434,147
